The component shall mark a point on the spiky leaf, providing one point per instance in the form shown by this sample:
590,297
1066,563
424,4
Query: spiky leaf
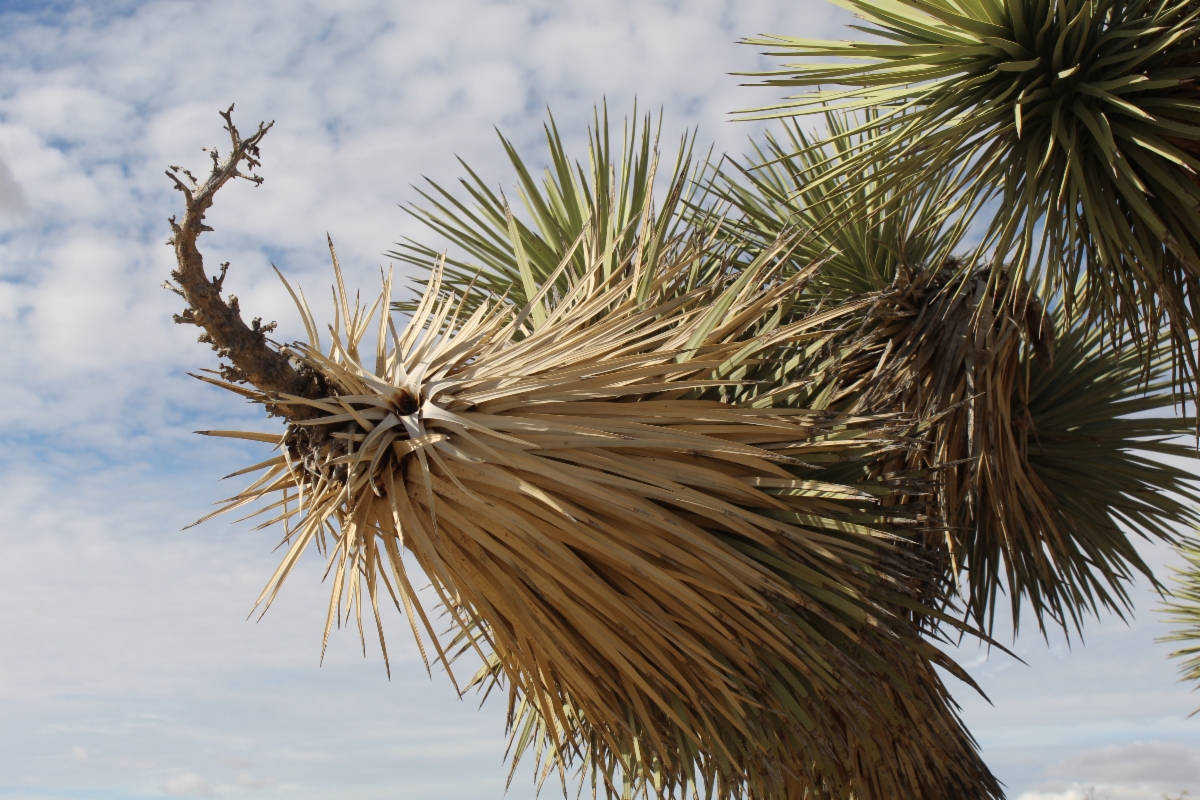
1078,118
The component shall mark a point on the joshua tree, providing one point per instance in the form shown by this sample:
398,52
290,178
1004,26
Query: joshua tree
702,483
669,586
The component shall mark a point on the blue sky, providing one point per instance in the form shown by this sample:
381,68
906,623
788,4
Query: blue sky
127,666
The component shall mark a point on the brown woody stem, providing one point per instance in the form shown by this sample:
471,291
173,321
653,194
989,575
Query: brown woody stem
254,360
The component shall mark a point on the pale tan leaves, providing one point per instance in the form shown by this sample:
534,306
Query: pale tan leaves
671,594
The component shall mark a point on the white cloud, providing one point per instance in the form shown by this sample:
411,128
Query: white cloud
1137,771
1135,763
12,198
248,781
1102,791
1069,793
78,753
187,784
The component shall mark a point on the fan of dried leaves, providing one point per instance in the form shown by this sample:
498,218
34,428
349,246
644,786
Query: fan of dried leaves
659,578
671,592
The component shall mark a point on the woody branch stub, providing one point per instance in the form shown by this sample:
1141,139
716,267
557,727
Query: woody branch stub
252,357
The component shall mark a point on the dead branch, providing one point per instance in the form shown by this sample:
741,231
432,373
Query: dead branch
254,360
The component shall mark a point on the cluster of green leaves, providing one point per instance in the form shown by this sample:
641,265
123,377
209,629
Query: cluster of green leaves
589,213
850,221
1107,446
1077,118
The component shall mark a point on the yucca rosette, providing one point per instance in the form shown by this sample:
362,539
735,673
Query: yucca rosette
664,581
1072,124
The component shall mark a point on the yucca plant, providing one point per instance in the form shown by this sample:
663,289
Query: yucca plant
988,380
673,591
1077,119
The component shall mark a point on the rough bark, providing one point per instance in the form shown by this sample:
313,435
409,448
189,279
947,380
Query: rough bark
253,358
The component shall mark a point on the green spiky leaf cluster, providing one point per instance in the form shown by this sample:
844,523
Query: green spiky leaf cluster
850,221
1183,612
1078,119
1102,449
1029,515
596,211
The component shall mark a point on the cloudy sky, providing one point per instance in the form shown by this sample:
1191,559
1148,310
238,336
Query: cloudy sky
127,666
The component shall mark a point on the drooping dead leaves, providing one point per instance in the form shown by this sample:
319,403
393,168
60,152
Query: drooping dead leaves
671,594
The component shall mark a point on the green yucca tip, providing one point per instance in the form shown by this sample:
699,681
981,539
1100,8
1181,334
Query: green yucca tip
1050,450
1103,442
862,236
607,203
1078,119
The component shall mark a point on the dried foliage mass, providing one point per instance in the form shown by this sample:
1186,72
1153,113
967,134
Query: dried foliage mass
699,490
669,590
663,580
